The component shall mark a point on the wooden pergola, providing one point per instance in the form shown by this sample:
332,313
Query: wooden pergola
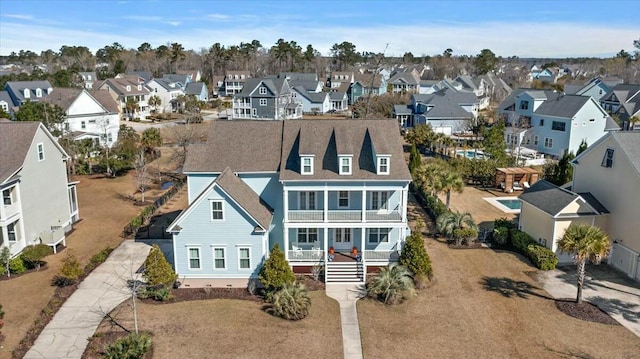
524,176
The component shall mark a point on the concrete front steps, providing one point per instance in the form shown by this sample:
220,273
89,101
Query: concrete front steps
344,272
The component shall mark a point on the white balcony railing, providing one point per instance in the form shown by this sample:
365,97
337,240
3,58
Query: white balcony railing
381,216
10,211
345,215
383,256
306,255
306,216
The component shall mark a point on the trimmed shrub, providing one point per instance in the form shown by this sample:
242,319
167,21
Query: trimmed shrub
465,235
98,258
521,240
501,235
157,271
133,346
16,265
542,257
5,259
435,206
69,272
276,272
503,222
290,302
158,293
414,256
3,271
32,255
391,285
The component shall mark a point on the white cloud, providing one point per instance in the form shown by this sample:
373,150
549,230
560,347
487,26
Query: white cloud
218,16
142,18
19,16
173,23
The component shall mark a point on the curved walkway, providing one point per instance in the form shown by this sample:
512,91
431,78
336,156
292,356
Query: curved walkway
66,335
347,295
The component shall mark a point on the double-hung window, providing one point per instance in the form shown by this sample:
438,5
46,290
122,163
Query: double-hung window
217,211
345,165
6,197
548,142
219,258
524,105
379,200
307,200
307,166
194,257
607,161
383,165
263,91
263,102
40,152
307,235
558,126
343,199
378,235
244,258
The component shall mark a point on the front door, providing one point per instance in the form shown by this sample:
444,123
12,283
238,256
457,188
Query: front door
342,239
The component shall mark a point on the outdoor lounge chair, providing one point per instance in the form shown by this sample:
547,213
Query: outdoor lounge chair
297,251
517,187
526,185
502,185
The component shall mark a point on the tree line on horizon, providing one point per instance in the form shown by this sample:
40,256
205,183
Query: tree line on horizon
285,56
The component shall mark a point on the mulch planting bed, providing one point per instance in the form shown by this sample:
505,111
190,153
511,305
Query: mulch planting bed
584,311
98,343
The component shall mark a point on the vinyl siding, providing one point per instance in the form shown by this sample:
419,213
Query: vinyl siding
196,183
235,231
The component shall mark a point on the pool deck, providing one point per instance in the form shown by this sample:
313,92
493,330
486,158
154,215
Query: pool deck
472,200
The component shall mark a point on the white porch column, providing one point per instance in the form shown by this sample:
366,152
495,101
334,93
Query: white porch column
364,204
363,235
405,203
325,237
325,204
286,241
286,204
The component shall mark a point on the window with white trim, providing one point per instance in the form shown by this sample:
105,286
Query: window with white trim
607,161
27,93
219,258
536,139
194,257
11,231
40,152
4,106
254,112
244,258
307,166
217,211
307,200
38,92
378,235
83,125
548,142
342,235
307,235
383,165
343,199
379,200
6,197
263,102
262,91
345,165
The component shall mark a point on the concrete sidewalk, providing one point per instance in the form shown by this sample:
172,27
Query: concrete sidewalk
605,287
99,293
347,295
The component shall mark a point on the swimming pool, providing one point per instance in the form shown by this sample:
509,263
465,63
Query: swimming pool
505,204
471,154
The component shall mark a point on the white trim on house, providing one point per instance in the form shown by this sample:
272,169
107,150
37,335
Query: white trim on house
217,210
240,248
224,258
198,247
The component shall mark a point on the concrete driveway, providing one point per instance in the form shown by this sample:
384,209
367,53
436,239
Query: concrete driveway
609,289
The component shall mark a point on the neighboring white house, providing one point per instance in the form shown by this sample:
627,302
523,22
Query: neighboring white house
39,203
166,90
91,115
128,87
316,102
610,170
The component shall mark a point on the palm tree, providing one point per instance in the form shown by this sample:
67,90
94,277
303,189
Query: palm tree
155,101
449,224
391,284
587,243
131,106
450,181
633,121
291,302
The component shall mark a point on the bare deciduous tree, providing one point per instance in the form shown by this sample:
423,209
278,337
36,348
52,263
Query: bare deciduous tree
142,177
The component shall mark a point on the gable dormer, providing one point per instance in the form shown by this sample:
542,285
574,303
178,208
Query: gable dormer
49,91
128,88
345,163
38,92
306,164
27,93
383,164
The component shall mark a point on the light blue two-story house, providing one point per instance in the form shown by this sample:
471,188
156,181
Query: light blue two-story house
554,123
329,192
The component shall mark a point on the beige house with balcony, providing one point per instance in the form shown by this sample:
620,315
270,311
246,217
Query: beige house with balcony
39,204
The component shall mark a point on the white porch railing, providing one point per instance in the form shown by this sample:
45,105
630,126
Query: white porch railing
306,216
345,215
305,255
384,256
392,216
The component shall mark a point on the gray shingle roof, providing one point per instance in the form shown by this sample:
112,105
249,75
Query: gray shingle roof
146,75
552,199
319,138
401,110
245,197
337,96
629,142
63,97
591,199
274,85
4,96
564,106
446,104
244,146
313,97
194,88
18,87
15,141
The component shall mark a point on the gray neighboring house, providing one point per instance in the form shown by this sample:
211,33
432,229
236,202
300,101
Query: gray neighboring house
447,111
6,104
23,91
266,99
88,78
197,89
624,102
312,102
39,203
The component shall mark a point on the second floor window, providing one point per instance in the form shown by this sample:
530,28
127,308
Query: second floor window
217,213
558,126
343,199
607,161
524,105
40,152
262,91
6,197
263,102
307,200
379,200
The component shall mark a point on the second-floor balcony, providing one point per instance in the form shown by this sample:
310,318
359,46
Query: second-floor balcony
344,216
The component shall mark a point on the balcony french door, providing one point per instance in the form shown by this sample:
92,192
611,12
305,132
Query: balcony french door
342,239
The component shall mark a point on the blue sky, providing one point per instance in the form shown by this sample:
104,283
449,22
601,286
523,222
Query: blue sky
541,28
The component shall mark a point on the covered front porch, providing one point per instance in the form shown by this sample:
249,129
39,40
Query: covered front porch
307,246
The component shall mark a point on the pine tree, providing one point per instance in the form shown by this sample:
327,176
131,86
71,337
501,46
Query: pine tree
276,272
415,159
157,271
414,256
